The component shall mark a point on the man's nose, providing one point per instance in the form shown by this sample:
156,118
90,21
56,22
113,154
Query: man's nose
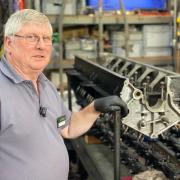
40,43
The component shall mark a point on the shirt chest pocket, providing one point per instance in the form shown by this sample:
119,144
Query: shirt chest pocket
17,120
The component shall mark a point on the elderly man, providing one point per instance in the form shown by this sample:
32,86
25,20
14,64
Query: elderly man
33,119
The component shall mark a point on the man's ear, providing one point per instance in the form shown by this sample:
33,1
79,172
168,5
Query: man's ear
8,43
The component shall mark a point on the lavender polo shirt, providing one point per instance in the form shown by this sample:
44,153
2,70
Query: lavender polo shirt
30,146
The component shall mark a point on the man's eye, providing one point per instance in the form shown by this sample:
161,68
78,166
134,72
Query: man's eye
31,38
47,39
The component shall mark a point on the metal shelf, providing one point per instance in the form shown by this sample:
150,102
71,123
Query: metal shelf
112,19
158,60
100,20
67,63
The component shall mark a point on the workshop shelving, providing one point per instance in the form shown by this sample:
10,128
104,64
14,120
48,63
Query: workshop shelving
112,19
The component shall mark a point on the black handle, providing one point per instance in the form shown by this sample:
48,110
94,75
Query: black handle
117,131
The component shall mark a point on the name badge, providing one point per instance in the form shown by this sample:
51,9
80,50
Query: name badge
61,121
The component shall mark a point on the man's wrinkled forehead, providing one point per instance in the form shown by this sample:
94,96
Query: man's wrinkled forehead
32,26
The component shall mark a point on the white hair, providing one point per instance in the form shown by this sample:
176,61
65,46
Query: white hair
19,18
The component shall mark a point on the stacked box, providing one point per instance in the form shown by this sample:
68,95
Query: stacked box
157,40
71,48
134,44
54,7
81,47
75,32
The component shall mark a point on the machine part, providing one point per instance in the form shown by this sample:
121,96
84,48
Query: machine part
152,95
90,81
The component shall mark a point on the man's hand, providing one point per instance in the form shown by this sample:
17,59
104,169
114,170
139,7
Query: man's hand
111,104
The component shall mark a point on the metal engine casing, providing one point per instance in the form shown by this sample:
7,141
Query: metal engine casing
152,95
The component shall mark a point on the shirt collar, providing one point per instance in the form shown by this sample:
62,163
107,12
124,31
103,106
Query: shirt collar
8,71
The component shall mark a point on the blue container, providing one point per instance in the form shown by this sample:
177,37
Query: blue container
109,5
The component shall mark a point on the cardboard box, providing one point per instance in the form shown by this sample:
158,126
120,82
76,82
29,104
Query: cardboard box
75,32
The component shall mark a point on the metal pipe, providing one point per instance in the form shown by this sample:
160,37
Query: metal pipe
60,18
175,35
117,125
10,7
126,27
101,45
37,5
69,93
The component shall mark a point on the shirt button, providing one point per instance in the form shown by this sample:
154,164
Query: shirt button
28,83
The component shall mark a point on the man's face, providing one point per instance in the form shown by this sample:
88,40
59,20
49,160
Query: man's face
27,54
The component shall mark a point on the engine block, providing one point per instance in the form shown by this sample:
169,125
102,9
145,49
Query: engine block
152,95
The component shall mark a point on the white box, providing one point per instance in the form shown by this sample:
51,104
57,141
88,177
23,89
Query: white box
50,8
73,44
118,51
55,78
70,54
87,54
135,48
54,7
70,7
88,44
157,35
120,36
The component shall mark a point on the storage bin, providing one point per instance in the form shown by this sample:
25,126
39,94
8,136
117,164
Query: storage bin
52,7
87,54
120,36
70,54
157,35
129,4
135,49
73,44
70,7
88,44
135,44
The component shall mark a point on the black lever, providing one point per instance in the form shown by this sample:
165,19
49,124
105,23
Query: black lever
117,131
